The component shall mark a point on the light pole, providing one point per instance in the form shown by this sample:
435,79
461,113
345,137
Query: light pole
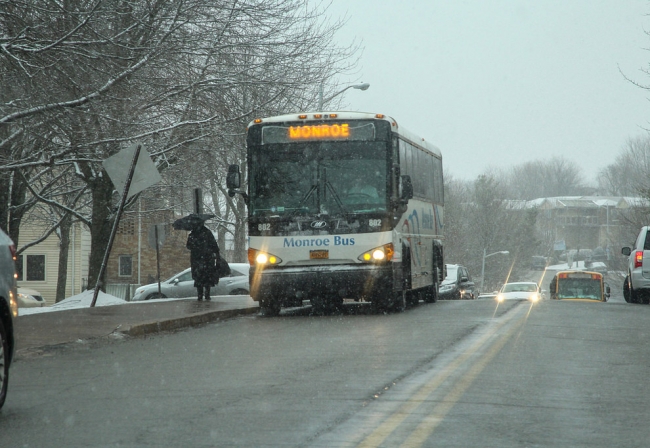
505,252
321,101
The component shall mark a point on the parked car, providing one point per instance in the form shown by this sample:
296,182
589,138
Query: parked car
8,310
636,288
458,284
520,291
29,298
181,285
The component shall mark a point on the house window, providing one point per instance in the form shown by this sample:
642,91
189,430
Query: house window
19,267
126,265
34,269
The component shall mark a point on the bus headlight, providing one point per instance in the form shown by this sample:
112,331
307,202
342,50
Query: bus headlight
262,258
378,254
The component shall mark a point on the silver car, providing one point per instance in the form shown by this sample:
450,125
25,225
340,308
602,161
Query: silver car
8,310
30,298
636,288
181,285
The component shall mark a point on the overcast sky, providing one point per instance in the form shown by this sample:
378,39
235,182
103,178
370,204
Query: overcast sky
502,82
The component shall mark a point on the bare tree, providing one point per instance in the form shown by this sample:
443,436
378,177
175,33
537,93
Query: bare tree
89,77
479,216
629,175
545,178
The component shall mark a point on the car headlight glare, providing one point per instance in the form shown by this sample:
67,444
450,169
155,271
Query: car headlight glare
500,298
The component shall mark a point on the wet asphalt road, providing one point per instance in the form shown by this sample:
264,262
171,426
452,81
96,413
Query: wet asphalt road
445,374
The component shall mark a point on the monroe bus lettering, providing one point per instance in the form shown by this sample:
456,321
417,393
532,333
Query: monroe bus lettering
317,242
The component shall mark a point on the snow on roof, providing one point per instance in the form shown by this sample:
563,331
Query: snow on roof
589,202
578,266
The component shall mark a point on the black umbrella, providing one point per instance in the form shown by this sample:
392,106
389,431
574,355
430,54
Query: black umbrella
191,222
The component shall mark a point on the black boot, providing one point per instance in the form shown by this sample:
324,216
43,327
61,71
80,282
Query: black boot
207,293
199,289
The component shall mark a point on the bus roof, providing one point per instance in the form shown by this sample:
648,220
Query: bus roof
306,117
578,274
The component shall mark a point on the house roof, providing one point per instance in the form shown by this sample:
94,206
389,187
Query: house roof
587,202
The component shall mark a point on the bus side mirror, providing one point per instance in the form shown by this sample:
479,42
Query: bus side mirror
233,178
233,182
608,291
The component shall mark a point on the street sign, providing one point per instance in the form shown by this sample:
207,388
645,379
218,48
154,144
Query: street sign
144,176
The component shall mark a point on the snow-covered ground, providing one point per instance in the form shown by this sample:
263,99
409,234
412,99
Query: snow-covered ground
82,300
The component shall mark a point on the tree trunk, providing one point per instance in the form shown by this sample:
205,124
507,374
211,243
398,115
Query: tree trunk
64,248
100,228
18,207
5,188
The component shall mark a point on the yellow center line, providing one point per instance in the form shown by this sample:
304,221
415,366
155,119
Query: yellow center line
430,423
388,426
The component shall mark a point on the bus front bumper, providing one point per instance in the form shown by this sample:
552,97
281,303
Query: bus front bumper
294,284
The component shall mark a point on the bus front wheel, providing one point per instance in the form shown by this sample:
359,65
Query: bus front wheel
395,303
269,307
400,300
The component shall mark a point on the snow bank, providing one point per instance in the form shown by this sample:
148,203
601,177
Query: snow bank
82,300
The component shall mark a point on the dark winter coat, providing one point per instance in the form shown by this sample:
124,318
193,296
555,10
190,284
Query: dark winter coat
204,252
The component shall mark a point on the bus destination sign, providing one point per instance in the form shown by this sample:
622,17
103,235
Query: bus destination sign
318,131
351,131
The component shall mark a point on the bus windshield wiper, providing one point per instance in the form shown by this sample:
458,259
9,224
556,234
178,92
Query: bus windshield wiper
338,201
304,199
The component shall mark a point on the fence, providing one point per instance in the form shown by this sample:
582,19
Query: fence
121,290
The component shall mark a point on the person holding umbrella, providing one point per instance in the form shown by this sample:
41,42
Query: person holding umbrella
204,253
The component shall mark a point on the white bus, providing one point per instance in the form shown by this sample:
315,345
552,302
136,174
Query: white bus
343,205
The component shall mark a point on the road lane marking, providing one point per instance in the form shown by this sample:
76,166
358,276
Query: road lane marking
428,425
391,423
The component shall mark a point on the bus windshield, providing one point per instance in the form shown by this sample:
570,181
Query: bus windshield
579,288
316,178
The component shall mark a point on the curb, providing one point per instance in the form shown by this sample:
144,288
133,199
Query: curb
160,326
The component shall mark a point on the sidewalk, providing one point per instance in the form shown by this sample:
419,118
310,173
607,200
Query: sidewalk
37,331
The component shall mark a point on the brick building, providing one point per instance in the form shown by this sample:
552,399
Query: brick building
133,256
587,222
